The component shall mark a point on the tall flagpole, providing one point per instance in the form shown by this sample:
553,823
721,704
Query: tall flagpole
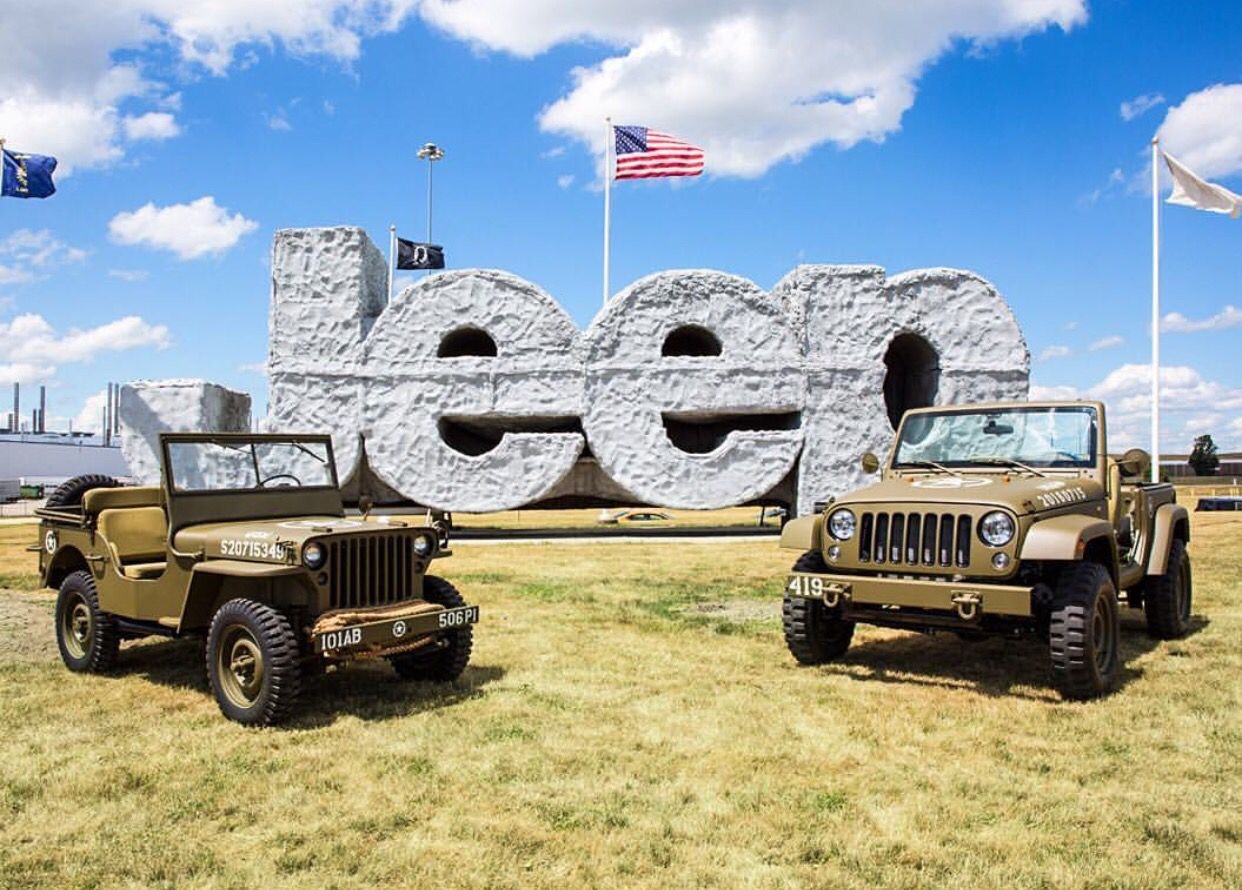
392,259
1155,309
608,141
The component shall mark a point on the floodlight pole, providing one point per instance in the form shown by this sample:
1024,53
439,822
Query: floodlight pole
1155,309
430,153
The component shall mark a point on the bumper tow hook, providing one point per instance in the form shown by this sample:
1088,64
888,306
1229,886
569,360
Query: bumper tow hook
967,604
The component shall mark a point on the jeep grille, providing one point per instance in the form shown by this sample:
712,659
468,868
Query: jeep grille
370,570
927,539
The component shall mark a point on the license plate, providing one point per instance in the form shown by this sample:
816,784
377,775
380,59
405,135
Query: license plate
459,617
806,586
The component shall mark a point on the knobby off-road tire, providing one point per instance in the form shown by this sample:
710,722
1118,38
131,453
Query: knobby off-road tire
813,632
252,663
69,494
1167,598
87,636
446,664
1085,631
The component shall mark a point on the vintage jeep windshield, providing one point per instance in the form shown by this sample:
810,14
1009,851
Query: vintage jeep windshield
1047,437
229,464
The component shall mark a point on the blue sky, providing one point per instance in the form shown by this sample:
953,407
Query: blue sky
974,134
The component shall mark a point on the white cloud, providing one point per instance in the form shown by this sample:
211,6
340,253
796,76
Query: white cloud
755,84
554,152
565,180
253,368
329,107
90,418
1070,326
1110,342
129,275
1229,317
1205,131
64,83
279,122
1053,352
26,253
30,338
1140,105
189,230
156,125
1185,396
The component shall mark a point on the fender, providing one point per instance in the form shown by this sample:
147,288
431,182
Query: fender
65,560
804,533
212,583
1172,521
1069,538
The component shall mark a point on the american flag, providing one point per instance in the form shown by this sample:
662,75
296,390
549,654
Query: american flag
644,153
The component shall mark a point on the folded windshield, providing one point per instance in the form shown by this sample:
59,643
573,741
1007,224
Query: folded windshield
1019,438
241,465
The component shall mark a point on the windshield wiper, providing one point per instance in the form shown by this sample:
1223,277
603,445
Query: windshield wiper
998,460
929,463
300,447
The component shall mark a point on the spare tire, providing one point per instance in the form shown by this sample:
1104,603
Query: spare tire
69,494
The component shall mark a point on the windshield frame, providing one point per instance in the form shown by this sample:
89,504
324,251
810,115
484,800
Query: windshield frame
982,410
242,440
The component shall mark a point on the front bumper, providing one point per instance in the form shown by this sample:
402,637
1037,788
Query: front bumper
370,632
963,599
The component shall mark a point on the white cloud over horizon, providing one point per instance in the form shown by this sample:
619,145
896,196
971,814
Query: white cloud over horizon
189,231
1139,105
1048,353
1175,322
25,254
1186,399
32,351
754,85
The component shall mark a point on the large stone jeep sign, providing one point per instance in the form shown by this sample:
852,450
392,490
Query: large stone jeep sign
473,390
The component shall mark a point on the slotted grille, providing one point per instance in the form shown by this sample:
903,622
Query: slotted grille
927,539
370,570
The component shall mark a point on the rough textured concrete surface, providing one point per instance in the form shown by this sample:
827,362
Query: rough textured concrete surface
149,407
694,431
474,391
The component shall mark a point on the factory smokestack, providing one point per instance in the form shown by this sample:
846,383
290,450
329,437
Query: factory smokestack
43,409
17,407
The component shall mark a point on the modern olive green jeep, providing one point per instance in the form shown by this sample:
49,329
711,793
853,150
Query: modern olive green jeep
246,541
1005,519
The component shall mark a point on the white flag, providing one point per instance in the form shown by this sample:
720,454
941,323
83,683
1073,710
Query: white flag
1191,191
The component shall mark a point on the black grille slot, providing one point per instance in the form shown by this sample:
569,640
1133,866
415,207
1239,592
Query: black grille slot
929,539
370,570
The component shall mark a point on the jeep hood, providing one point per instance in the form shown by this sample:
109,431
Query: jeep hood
1021,494
267,540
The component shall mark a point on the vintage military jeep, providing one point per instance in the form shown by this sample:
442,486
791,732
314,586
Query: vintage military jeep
996,519
246,541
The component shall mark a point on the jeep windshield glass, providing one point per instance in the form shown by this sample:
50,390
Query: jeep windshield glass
240,465
1061,437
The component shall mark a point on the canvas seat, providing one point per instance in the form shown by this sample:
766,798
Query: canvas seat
138,539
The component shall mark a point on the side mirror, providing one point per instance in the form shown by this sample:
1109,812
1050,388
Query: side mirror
365,503
870,463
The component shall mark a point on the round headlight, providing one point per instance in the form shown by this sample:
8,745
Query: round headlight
423,545
996,529
841,525
313,555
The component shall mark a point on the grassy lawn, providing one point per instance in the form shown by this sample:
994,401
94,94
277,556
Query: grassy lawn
632,718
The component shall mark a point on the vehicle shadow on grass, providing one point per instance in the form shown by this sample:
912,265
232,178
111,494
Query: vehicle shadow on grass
993,667
368,690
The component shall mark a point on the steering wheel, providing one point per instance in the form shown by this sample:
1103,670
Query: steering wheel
296,480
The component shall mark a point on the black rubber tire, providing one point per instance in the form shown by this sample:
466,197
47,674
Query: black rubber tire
69,493
446,664
1085,632
813,632
1167,598
94,651
271,633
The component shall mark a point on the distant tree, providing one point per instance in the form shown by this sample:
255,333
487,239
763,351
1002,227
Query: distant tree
1203,459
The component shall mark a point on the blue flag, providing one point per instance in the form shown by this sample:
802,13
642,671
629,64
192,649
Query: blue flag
27,176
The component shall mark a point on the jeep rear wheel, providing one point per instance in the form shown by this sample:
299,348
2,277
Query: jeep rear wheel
252,663
1084,632
1167,598
69,494
445,663
813,632
86,636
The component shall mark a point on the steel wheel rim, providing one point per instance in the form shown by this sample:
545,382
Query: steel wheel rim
77,627
1102,634
240,666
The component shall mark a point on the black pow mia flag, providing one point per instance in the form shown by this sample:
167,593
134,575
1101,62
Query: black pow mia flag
417,255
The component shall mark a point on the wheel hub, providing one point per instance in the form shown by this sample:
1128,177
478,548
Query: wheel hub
240,666
77,627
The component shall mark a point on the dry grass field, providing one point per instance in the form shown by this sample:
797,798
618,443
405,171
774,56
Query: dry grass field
631,718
